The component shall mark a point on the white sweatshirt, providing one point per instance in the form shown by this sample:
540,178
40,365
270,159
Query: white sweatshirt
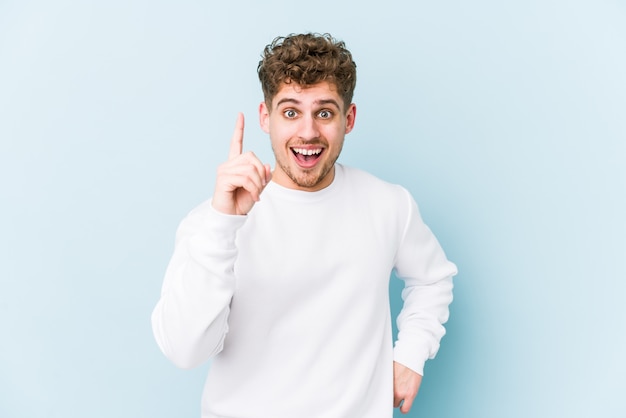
291,301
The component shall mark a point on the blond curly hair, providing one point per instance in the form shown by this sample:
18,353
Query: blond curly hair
307,59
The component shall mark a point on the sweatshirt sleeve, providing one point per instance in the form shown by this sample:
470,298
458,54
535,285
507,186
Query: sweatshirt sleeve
427,293
189,321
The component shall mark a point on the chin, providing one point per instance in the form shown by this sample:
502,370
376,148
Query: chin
311,178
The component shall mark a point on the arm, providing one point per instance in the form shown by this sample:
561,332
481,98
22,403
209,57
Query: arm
427,274
190,320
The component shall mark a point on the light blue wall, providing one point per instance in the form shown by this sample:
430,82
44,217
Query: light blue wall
507,120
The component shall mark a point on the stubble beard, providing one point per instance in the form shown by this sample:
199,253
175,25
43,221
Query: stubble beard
308,178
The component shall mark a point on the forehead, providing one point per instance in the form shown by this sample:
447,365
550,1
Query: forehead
293,93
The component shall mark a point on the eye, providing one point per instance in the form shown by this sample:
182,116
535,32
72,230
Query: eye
325,114
290,113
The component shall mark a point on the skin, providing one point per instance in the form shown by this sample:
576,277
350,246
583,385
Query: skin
241,179
406,384
312,120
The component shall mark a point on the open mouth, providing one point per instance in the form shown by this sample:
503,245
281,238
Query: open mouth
307,157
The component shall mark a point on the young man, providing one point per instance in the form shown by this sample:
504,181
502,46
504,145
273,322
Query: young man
282,277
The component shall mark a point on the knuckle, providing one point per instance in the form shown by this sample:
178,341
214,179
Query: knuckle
251,185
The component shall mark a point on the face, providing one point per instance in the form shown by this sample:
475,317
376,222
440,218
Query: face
307,127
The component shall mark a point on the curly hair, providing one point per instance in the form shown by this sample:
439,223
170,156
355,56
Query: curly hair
307,59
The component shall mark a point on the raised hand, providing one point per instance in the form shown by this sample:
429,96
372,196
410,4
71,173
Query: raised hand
241,179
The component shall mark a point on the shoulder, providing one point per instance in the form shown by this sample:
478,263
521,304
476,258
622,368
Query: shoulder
361,181
373,194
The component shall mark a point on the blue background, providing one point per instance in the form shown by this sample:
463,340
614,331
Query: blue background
506,120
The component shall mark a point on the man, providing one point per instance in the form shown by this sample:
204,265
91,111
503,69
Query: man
282,277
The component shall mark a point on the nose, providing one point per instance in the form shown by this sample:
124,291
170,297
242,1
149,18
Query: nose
308,129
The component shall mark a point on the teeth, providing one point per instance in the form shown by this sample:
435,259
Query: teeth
307,151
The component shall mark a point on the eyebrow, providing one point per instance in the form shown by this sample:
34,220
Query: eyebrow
319,102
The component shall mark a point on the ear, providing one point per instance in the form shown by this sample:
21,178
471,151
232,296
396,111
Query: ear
350,117
264,117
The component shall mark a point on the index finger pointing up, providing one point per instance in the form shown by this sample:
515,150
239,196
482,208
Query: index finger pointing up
236,143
